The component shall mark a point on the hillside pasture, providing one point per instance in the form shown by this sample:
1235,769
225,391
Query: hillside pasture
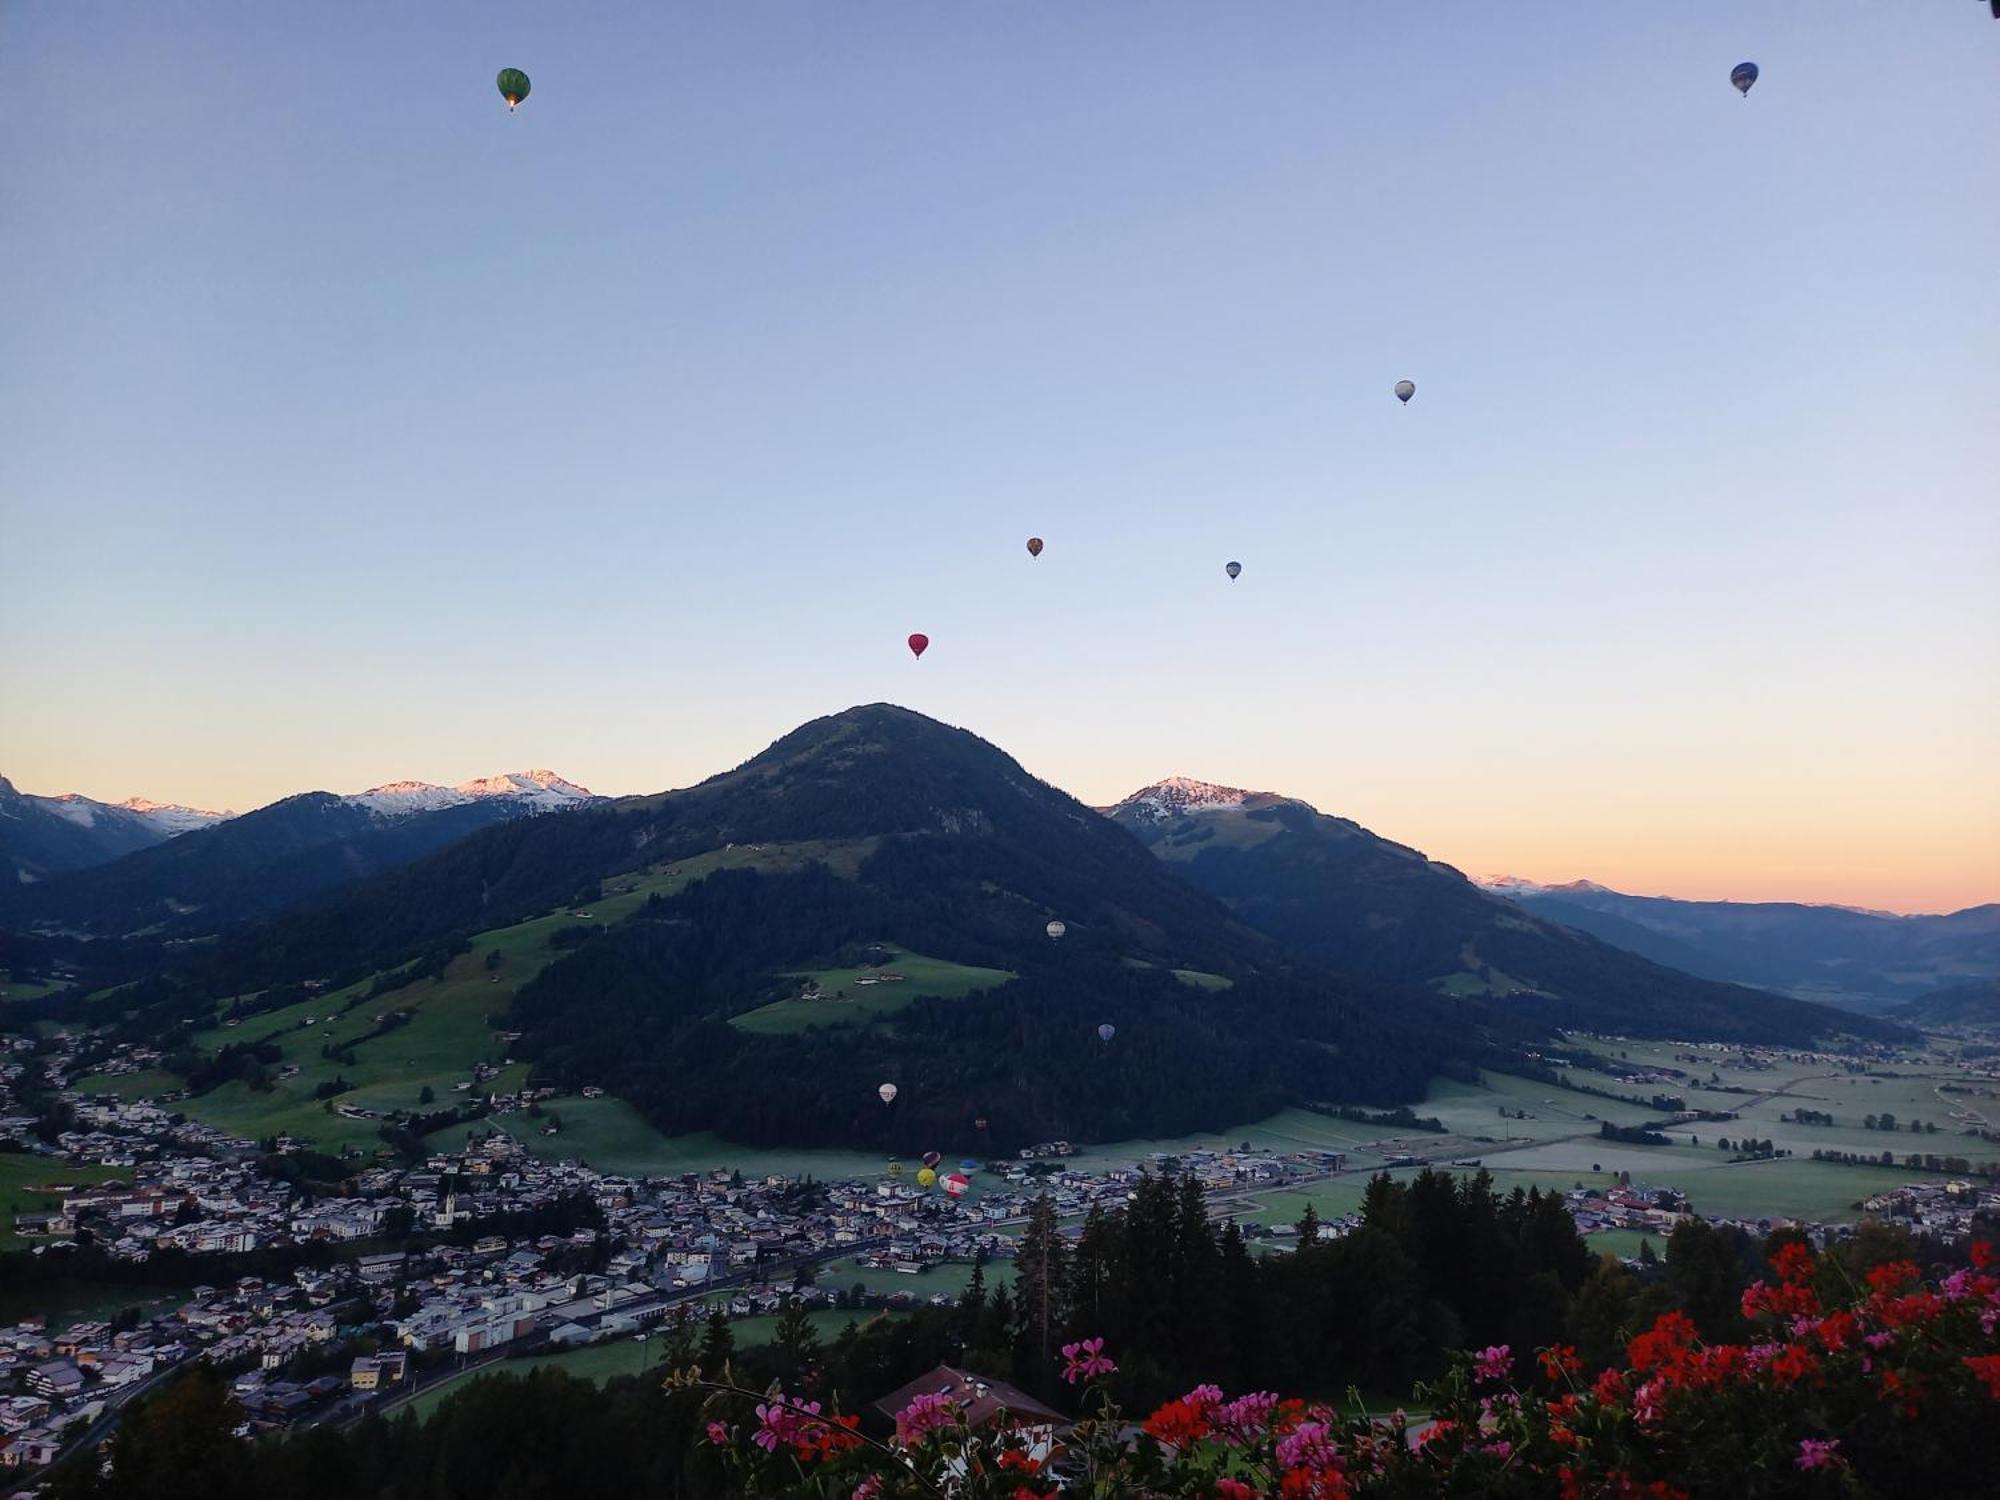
856,996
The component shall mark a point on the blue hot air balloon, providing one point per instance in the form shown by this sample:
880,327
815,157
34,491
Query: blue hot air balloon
1106,1032
1743,75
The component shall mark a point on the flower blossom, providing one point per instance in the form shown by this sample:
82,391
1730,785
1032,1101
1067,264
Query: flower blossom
924,1415
1820,1453
1247,1418
1087,1361
784,1421
1493,1362
1311,1447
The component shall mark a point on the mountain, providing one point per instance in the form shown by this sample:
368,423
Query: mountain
870,832
1328,887
45,836
1839,955
1975,1004
278,856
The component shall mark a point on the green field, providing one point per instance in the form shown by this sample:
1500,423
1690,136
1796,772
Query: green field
145,1084
18,1172
1201,979
925,978
65,1302
598,1363
26,989
951,1278
609,1135
1624,1243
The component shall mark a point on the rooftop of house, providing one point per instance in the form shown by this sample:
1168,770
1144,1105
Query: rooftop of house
984,1399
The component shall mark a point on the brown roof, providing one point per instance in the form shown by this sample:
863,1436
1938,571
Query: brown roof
984,1399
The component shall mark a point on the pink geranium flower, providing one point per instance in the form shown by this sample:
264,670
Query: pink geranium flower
1086,1361
924,1415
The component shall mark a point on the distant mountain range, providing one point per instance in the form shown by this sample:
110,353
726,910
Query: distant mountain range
45,836
1327,887
1838,955
1250,951
185,872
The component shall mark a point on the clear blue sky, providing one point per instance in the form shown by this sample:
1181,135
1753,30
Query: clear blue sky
351,428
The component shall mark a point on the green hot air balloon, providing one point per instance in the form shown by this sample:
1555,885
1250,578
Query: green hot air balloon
513,86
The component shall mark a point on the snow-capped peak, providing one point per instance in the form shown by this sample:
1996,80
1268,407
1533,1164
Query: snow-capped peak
172,817
1518,885
542,785
165,818
1183,794
539,789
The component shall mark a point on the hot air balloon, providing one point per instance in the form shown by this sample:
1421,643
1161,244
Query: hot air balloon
968,1165
1233,569
926,1178
932,1158
1404,390
1057,928
918,643
1034,546
1743,75
513,86
895,1169
888,1093
956,1184
980,1123
1106,1032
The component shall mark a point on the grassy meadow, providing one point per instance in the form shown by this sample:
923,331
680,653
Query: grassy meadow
924,978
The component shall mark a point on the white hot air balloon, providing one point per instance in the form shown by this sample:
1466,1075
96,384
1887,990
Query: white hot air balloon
888,1093
1404,390
1057,928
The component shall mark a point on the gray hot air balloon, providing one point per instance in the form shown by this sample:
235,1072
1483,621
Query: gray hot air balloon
1106,1032
1404,390
1233,569
1743,75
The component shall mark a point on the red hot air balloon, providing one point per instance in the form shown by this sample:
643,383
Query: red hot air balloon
918,642
957,1184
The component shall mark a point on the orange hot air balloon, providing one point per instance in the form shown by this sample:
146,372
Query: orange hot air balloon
1034,546
918,643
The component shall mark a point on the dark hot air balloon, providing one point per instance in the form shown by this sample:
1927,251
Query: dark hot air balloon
1034,546
513,86
919,643
1404,390
1233,569
1743,75
932,1158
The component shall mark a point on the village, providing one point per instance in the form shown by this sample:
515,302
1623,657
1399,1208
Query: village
325,1304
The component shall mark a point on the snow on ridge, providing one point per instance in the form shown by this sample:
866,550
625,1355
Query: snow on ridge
1184,794
72,807
165,818
1517,885
540,789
